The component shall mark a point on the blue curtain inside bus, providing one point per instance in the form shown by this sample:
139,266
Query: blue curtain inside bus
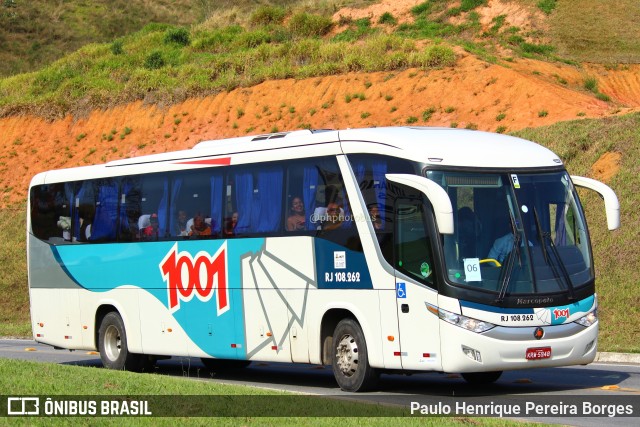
216,206
244,200
175,190
309,188
106,216
267,209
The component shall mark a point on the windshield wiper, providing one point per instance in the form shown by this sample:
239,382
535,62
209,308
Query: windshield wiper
543,236
509,265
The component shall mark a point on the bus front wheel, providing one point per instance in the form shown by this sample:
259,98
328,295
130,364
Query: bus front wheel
350,360
112,342
481,377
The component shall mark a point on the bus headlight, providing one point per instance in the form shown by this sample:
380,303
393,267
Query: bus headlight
468,323
589,319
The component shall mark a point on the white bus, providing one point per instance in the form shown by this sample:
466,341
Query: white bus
374,250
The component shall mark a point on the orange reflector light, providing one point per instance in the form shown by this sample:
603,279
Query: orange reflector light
41,324
169,330
85,327
269,334
610,387
391,338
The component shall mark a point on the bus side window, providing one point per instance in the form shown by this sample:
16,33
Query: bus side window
51,212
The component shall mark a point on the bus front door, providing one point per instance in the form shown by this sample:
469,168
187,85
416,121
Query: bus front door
415,287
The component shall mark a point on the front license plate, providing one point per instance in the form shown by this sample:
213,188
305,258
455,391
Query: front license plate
538,353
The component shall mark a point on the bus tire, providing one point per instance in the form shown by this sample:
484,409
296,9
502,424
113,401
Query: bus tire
221,365
350,359
481,377
112,342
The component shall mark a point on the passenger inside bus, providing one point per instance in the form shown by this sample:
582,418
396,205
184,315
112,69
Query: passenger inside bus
376,219
230,225
150,232
296,220
181,228
331,196
199,227
86,218
333,217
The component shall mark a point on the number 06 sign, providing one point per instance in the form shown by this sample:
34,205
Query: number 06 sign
472,270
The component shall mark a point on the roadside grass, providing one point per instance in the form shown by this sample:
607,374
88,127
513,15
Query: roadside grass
14,305
585,33
23,378
580,144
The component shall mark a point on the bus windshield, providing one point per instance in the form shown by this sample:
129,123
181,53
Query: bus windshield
515,234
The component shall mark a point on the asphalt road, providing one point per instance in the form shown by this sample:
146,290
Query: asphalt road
595,383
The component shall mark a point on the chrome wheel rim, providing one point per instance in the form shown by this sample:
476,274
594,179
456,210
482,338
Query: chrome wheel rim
112,343
347,355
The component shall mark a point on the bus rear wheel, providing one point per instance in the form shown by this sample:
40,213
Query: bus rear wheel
482,377
112,342
350,359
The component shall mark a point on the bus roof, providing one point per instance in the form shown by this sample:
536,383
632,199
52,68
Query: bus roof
437,146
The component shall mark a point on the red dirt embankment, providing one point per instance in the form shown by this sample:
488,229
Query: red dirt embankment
474,94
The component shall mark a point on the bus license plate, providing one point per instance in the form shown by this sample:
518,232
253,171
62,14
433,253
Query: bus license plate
538,353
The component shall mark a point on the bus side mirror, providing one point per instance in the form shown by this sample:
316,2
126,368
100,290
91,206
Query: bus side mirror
611,204
437,196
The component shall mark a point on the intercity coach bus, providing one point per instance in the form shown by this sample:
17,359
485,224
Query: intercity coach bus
397,250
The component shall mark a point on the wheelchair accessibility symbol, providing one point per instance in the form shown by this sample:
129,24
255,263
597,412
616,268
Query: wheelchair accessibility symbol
401,290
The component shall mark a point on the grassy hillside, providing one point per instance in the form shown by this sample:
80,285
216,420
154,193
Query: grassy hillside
244,44
34,33
606,32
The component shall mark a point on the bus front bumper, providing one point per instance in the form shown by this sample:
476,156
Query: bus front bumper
502,349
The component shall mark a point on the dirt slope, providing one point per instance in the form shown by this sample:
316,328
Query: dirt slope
473,94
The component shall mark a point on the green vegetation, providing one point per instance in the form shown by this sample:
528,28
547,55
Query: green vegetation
617,256
585,33
239,44
36,32
156,60
14,308
43,379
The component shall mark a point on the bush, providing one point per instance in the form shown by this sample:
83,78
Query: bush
467,5
388,19
154,61
308,25
266,15
117,47
421,8
178,36
252,39
547,6
591,84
